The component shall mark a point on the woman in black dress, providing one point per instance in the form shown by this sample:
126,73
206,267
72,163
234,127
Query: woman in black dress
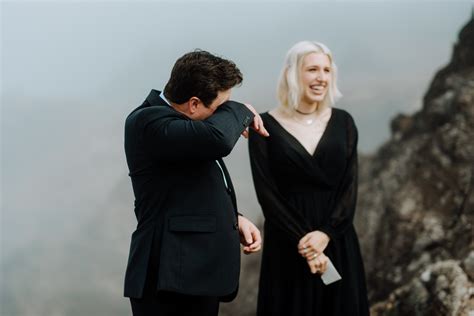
305,176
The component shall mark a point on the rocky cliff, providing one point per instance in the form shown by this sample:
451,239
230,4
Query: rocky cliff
416,202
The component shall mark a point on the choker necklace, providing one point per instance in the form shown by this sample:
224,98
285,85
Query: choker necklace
304,113
320,119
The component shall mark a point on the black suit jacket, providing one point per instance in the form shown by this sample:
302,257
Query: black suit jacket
187,238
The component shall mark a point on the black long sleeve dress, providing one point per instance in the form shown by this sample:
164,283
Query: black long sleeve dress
299,193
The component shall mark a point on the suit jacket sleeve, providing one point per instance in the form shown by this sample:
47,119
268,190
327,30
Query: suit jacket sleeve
175,137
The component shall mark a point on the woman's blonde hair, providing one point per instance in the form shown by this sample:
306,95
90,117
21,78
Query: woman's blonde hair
289,88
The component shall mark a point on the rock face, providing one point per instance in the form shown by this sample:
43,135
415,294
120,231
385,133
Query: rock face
416,203
442,289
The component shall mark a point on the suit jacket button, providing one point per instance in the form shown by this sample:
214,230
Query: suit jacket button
236,226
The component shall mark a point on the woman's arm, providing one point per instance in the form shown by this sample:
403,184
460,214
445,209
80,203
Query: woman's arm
275,207
345,202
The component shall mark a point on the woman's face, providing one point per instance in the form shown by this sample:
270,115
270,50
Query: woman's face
315,76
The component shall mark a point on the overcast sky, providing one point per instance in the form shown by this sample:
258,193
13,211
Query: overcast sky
114,52
71,71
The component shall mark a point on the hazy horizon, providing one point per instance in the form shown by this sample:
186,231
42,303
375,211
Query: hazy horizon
72,71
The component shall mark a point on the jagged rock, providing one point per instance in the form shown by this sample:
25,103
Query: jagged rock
442,289
400,125
468,265
416,200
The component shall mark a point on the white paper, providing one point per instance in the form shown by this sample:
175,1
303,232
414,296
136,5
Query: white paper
330,275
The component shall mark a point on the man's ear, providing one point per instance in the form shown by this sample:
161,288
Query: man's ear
193,104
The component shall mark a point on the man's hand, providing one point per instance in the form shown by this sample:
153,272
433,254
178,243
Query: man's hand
250,236
313,244
257,124
318,264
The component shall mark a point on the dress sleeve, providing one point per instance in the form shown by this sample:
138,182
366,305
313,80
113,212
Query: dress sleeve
275,207
346,197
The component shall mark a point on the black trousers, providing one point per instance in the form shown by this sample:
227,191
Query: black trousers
174,304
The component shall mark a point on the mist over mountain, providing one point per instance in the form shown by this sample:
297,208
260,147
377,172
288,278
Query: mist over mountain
72,72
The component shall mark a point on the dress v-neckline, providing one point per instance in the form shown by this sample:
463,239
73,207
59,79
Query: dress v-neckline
298,143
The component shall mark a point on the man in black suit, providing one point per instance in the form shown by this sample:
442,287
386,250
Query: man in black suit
185,253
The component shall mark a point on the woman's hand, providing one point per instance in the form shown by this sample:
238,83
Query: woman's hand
250,236
257,124
318,264
313,244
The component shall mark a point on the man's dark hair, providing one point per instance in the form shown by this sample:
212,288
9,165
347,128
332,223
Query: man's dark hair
201,74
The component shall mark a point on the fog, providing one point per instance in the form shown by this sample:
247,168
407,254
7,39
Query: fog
72,71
